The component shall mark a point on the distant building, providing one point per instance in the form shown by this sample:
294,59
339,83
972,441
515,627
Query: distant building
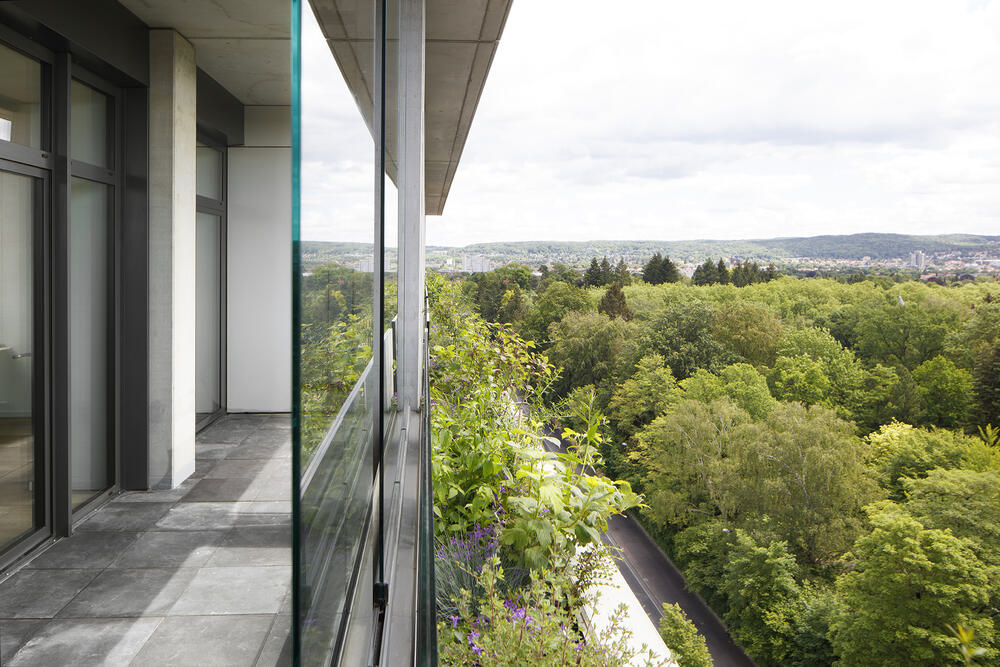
476,264
366,265
918,259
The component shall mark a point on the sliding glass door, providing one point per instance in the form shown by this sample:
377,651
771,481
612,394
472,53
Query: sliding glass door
21,511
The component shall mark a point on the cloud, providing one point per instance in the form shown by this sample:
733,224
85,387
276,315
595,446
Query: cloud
663,119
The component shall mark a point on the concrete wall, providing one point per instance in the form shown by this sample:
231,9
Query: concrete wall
172,134
259,250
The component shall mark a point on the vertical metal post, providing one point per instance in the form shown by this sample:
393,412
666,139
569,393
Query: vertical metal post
411,199
62,500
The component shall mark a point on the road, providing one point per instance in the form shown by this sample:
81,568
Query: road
655,579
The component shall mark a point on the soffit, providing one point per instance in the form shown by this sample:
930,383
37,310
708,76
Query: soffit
462,37
242,44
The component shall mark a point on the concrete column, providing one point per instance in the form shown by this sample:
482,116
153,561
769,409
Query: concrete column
172,140
411,200
259,282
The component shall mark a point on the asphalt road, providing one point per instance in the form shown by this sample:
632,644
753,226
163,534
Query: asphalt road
655,579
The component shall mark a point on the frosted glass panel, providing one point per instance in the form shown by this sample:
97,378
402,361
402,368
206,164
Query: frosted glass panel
20,99
88,125
209,173
208,323
17,461
88,336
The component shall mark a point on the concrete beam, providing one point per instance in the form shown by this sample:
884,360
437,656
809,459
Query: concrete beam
172,140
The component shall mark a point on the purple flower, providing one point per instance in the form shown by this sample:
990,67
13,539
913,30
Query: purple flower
454,621
477,650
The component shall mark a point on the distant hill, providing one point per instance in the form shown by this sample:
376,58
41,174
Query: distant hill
578,253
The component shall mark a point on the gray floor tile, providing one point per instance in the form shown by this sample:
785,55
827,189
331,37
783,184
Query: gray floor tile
125,517
234,590
258,450
229,489
201,516
277,651
219,641
14,634
278,487
158,496
258,545
171,549
212,452
84,551
237,468
201,468
86,642
123,593
223,434
41,593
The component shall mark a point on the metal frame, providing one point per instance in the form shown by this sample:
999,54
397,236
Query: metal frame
218,207
53,167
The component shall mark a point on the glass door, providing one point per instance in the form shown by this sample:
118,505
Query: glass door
20,507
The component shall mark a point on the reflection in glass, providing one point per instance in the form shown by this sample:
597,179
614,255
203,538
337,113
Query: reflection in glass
20,99
208,315
338,395
88,125
209,172
88,338
17,461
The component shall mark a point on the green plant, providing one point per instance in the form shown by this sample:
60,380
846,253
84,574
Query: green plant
686,644
536,628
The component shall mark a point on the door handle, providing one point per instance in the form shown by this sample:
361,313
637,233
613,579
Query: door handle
21,355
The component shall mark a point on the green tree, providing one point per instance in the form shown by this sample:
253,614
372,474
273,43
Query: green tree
606,272
749,332
907,334
909,584
800,379
802,475
591,348
669,272
721,272
682,333
652,271
705,274
552,304
747,388
622,276
687,646
762,594
987,384
592,276
688,456
613,303
899,450
945,392
644,396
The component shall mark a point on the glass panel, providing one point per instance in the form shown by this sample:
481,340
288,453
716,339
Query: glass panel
89,125
209,172
88,338
20,99
17,460
337,399
208,316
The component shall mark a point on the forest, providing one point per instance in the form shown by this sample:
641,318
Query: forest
821,458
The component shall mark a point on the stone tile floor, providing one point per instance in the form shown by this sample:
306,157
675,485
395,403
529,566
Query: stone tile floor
197,575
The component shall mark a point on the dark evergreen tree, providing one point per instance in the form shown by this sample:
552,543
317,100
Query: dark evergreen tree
669,272
622,275
721,272
592,276
653,270
613,303
987,383
705,274
606,274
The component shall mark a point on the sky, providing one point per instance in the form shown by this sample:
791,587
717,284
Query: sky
665,120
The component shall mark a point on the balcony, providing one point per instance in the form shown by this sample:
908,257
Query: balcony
199,574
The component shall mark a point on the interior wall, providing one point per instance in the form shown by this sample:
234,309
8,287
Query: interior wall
259,250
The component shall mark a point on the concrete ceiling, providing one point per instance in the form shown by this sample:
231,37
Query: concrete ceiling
242,44
462,37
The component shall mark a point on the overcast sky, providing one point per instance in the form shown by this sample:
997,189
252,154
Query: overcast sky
662,119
